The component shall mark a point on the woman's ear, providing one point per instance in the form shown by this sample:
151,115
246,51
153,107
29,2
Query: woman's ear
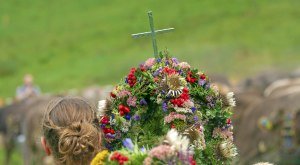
45,146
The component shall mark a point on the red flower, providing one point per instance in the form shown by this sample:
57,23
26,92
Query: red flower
185,90
121,159
143,69
173,125
190,78
192,161
203,76
108,130
105,120
228,121
169,70
181,99
131,77
123,109
112,95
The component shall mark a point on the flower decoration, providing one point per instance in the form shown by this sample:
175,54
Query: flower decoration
119,158
163,94
100,158
227,149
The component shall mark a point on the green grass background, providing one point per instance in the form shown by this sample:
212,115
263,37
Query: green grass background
75,43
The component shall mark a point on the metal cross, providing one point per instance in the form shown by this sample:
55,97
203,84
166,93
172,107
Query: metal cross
152,33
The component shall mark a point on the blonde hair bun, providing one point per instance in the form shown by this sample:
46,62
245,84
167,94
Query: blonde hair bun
77,139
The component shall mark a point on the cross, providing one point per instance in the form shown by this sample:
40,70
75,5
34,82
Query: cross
152,33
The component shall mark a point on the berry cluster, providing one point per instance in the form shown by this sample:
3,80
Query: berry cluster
190,78
105,126
169,70
123,110
203,76
121,159
181,99
131,77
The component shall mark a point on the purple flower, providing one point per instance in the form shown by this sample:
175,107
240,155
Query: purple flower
196,118
201,82
175,60
180,72
143,102
158,60
136,117
126,80
165,106
103,125
207,85
127,143
143,150
109,146
193,109
127,117
167,62
157,72
110,136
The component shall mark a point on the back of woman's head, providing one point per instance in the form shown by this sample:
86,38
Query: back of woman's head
70,129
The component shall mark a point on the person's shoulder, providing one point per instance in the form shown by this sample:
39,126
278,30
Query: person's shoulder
21,87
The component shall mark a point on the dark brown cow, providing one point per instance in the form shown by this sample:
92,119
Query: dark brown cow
256,142
23,119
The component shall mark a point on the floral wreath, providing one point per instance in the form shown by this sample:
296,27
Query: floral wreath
162,100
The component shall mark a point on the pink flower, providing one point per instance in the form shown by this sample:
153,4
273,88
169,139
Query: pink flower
161,152
172,116
184,65
123,93
188,104
150,62
131,101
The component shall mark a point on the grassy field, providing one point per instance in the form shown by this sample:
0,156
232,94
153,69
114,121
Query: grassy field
73,43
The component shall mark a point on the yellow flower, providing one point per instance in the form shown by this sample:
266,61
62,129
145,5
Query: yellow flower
99,159
175,84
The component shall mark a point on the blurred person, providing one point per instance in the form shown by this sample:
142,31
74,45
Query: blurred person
70,131
28,89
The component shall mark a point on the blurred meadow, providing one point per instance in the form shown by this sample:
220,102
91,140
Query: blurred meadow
72,44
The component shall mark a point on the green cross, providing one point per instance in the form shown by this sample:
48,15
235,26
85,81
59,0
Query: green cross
152,33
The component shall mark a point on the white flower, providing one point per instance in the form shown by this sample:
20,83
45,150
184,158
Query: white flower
263,163
231,99
227,149
125,126
124,129
101,107
184,65
159,99
183,110
112,121
177,141
188,104
215,88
